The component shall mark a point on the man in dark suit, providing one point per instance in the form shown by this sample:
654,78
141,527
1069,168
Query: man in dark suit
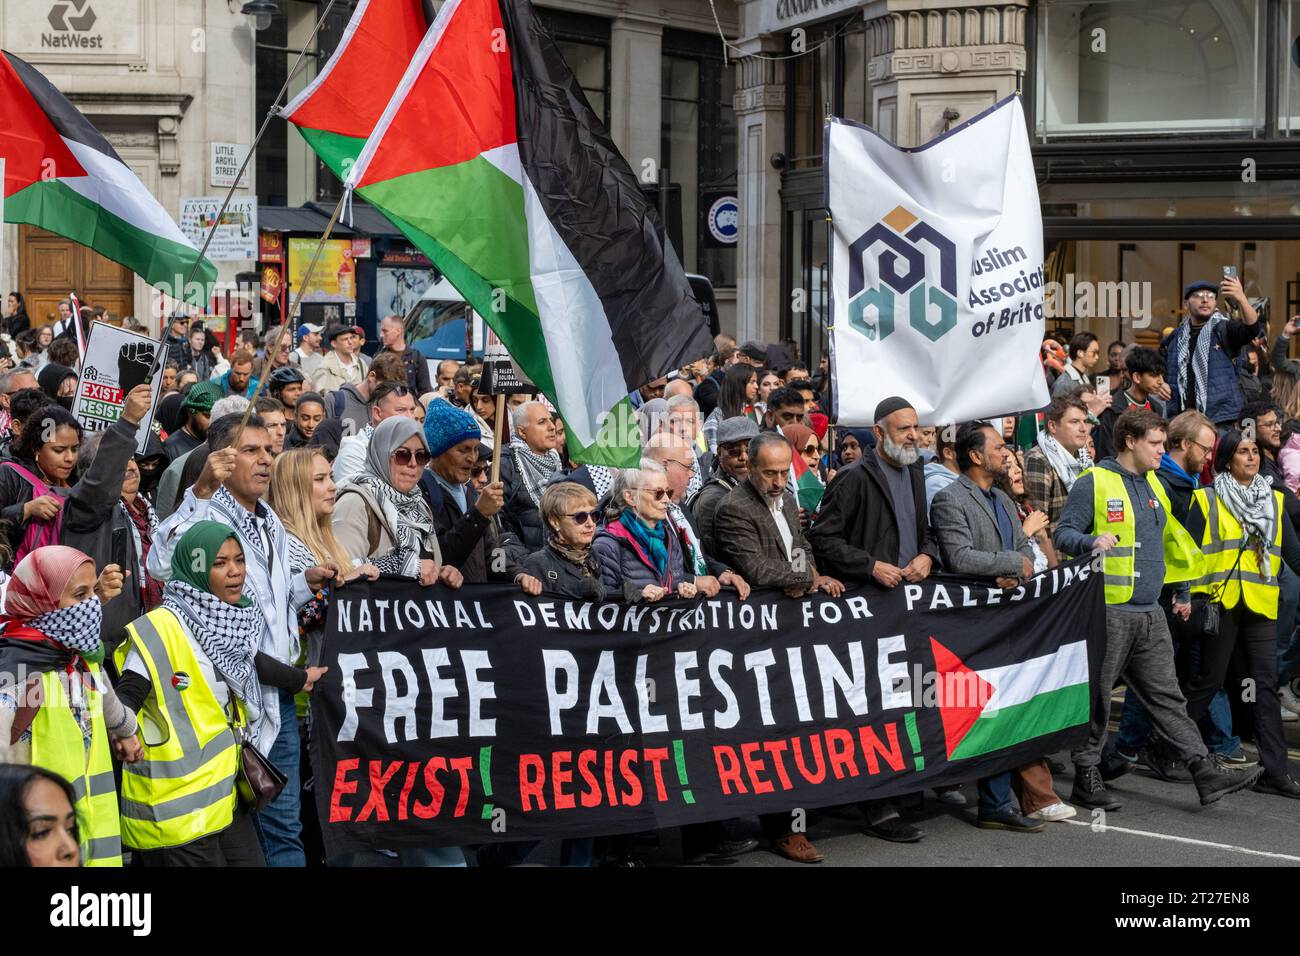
757,527
979,535
872,527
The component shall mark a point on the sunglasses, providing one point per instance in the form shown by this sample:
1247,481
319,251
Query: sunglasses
582,517
659,494
404,456
480,472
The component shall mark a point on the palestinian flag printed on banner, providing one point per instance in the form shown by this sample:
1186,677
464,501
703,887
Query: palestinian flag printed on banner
491,161
998,706
337,112
62,175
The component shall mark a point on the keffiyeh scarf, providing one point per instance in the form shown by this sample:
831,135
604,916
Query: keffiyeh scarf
535,470
1067,467
143,522
228,635
1252,506
408,518
694,550
76,627
1200,360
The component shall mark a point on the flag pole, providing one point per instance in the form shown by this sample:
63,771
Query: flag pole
497,427
274,349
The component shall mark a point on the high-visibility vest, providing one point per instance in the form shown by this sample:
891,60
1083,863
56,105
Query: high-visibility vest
59,745
1222,542
1113,514
183,787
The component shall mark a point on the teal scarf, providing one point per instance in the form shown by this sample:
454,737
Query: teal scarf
653,540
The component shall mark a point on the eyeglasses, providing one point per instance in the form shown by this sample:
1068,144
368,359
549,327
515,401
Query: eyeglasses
582,517
404,456
480,471
810,450
659,494
1204,294
679,464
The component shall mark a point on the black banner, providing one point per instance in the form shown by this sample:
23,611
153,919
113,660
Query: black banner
471,716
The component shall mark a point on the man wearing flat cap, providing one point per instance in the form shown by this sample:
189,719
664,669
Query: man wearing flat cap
1202,352
873,526
731,467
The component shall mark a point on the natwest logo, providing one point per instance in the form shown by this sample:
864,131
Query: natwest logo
902,266
72,21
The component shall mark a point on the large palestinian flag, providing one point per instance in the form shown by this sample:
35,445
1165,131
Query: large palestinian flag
61,174
339,109
490,160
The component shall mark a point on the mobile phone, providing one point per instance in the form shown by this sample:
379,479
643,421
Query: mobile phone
1230,272
1103,386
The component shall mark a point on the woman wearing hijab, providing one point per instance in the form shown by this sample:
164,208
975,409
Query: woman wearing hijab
807,454
1244,531
192,671
73,722
382,516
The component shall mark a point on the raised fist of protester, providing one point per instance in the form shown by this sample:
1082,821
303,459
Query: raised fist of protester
109,584
313,675
219,467
1104,542
828,585
137,404
134,363
491,499
886,575
43,508
653,592
733,580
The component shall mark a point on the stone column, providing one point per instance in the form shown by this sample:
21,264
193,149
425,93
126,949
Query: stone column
635,88
760,120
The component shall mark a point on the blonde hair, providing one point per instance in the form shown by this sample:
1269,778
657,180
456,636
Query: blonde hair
291,498
1286,392
559,498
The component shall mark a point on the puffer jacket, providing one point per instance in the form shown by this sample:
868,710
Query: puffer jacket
625,564
562,577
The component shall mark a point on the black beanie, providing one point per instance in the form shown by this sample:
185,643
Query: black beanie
888,406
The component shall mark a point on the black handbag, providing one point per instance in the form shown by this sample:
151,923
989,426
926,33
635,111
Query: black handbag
1210,622
257,780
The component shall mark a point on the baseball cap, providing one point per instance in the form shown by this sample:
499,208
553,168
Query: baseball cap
307,328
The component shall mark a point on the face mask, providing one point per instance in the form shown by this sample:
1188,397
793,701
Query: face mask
65,401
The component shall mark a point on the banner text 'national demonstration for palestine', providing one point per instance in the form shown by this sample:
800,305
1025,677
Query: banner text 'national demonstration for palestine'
936,270
471,716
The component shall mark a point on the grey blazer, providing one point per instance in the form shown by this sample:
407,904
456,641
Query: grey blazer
968,532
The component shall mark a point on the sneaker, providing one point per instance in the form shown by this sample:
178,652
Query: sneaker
1166,768
951,795
1289,698
1009,820
1090,791
1288,716
1237,761
1213,782
1054,813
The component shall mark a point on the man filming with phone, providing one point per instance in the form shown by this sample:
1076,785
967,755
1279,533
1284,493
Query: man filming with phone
1203,349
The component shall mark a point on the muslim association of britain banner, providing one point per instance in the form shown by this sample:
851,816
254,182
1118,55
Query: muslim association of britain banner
482,714
936,270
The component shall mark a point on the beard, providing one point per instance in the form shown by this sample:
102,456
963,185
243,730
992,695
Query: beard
902,454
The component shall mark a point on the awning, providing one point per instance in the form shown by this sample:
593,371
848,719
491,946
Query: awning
313,217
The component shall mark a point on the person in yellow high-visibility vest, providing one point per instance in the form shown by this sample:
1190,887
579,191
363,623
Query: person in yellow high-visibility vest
1246,536
193,672
64,716
1121,510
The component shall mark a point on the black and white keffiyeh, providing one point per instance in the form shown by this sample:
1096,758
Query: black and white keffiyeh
245,524
1200,360
76,627
1253,507
228,634
535,470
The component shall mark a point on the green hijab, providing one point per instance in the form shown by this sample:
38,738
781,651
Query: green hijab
196,552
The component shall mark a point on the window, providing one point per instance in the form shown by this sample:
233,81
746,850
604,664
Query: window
1150,66
587,61
1289,66
679,148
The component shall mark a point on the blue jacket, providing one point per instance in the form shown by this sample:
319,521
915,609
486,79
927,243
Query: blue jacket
224,382
1223,398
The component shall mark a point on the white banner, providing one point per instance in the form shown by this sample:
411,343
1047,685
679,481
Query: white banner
236,237
117,360
936,270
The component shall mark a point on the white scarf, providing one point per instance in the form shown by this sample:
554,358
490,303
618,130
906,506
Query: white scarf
1252,506
1067,467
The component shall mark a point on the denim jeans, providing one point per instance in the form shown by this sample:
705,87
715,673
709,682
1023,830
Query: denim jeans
278,826
1216,727
995,793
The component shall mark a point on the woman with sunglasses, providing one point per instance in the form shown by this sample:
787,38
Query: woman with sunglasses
636,549
565,565
381,515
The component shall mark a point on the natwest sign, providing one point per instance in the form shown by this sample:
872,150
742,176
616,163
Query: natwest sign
45,30
777,16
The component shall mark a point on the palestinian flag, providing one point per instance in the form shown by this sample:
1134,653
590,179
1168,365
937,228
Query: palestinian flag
337,112
808,487
998,707
490,160
62,175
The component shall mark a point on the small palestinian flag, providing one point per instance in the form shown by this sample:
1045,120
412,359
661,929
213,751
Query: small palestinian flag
491,161
808,487
61,174
998,707
338,111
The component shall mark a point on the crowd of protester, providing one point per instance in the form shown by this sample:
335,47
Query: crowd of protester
130,577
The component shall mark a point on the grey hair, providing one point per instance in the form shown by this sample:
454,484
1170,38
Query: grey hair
519,414
680,401
230,405
762,440
7,379
629,479
88,449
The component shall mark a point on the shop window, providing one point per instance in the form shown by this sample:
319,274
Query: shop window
1289,67
1150,66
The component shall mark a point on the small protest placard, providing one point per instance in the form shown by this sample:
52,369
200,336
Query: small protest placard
501,376
117,360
